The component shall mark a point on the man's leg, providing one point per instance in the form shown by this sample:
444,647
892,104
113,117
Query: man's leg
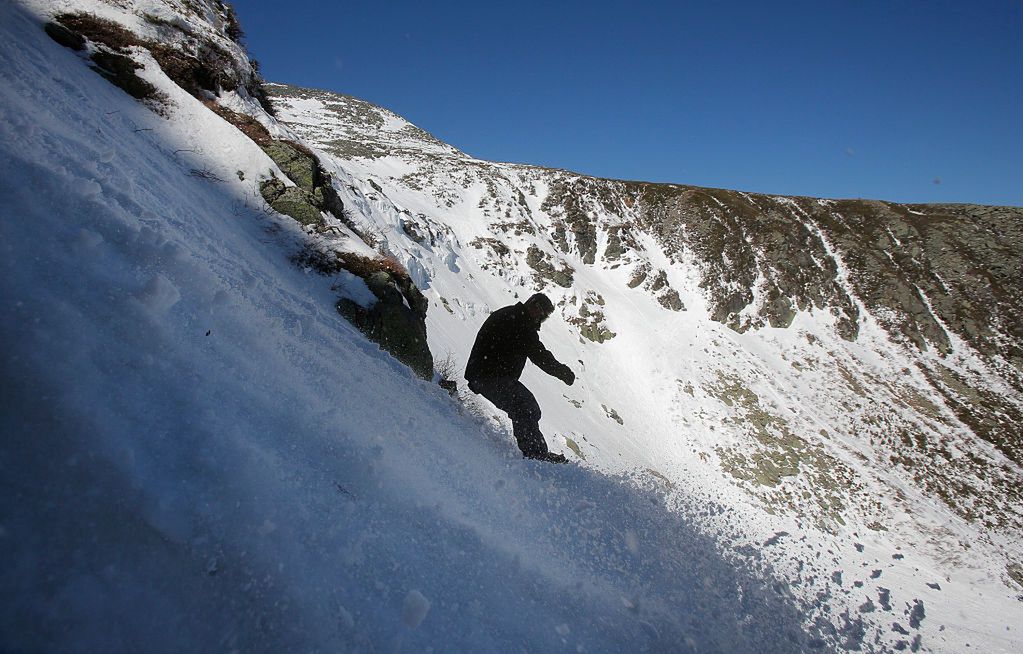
512,397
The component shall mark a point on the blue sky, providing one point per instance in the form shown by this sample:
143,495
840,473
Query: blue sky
897,100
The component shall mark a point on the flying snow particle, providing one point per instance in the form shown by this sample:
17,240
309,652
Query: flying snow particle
415,609
562,630
159,294
344,618
89,188
86,239
632,542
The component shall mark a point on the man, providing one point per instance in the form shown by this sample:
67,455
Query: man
506,339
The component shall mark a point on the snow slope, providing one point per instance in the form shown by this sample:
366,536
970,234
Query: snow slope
210,459
198,454
794,431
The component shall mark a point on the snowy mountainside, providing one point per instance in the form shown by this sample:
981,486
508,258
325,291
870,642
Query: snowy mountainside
198,454
832,416
844,368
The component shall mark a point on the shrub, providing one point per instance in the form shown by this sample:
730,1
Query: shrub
119,70
100,30
331,263
365,266
232,28
64,36
207,70
248,125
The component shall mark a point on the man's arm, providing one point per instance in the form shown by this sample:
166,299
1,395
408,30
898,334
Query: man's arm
545,361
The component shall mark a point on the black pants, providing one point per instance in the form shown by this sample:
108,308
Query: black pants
510,396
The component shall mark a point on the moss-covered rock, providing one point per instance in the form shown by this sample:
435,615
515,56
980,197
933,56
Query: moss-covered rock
290,201
397,321
300,167
295,202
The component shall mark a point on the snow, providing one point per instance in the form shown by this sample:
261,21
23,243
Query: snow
676,433
199,454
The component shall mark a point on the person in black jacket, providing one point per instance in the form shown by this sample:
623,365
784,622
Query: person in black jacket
507,338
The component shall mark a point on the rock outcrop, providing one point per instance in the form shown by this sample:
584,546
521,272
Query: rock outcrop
397,321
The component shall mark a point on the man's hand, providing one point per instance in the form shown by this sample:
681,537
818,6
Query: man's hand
567,375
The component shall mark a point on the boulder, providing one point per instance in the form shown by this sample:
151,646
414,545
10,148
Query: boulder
397,321
300,167
290,201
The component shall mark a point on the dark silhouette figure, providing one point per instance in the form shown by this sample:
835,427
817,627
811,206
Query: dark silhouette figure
506,339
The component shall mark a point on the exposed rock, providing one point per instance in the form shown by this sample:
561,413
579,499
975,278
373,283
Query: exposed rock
572,445
540,261
1015,572
327,199
495,246
639,275
413,232
300,167
290,201
780,457
659,281
779,309
989,414
671,300
397,321
612,414
615,249
575,202
596,332
591,319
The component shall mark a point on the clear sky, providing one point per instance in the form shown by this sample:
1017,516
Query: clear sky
897,100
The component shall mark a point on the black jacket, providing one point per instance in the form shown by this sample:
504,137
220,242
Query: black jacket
506,339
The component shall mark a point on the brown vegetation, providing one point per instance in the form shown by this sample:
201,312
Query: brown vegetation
100,30
331,263
247,124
